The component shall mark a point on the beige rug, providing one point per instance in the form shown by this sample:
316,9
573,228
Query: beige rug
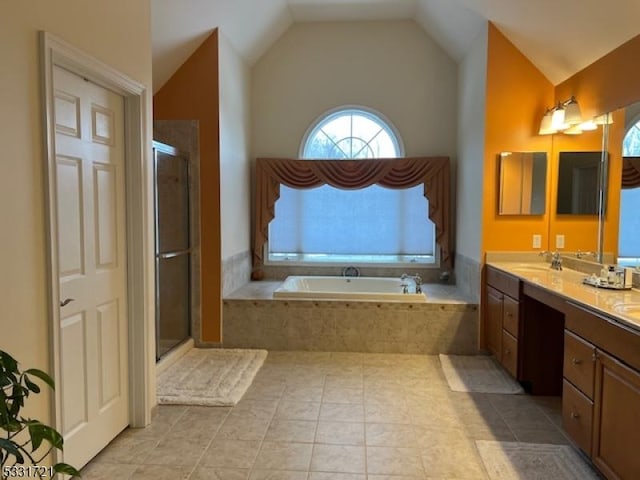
209,376
533,461
477,373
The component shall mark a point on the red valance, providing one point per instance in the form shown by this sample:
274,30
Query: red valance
398,173
630,172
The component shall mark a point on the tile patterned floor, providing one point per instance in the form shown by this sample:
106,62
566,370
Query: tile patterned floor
332,416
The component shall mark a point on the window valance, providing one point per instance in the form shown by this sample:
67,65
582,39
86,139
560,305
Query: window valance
397,173
630,172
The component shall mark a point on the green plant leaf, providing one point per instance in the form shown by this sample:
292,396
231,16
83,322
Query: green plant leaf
8,362
12,425
38,432
67,469
12,449
30,385
41,375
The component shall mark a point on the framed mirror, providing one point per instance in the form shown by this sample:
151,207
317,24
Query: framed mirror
578,183
629,225
523,179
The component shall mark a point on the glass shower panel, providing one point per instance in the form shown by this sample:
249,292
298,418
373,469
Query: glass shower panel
173,302
173,248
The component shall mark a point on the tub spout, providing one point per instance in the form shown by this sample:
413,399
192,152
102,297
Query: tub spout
350,271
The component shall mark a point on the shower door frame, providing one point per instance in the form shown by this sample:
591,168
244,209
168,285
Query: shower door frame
170,150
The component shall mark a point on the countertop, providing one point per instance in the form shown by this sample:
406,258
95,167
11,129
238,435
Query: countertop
567,283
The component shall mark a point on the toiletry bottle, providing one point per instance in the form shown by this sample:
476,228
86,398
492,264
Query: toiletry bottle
611,275
603,273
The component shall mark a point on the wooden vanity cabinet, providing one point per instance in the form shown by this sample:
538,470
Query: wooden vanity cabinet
616,419
502,317
601,391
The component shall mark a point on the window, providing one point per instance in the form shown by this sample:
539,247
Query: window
370,225
629,231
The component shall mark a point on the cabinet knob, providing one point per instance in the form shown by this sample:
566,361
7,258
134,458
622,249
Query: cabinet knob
507,352
576,361
509,314
575,415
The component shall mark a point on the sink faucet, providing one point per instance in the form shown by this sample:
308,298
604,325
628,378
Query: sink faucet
581,255
556,261
417,279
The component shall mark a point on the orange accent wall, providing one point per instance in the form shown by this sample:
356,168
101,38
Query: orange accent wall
192,94
517,95
606,85
609,83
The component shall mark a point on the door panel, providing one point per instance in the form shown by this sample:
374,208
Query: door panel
74,367
105,216
70,208
109,355
90,203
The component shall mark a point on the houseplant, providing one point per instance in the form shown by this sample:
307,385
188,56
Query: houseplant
21,437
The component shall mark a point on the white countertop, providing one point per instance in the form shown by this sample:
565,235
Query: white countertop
568,284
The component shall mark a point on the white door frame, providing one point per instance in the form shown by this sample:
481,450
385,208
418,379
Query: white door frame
139,257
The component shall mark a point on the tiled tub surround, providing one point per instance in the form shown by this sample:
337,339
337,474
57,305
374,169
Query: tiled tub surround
446,323
236,271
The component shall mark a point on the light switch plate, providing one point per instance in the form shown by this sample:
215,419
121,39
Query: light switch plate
537,241
559,241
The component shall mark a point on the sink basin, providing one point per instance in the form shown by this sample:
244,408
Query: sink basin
628,309
531,268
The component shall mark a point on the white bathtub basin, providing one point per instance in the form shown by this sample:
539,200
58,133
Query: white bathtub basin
348,288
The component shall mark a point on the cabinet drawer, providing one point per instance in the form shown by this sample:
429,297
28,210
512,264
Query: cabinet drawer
510,353
579,366
577,416
503,281
511,317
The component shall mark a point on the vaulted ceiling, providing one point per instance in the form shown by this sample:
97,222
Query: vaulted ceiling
559,36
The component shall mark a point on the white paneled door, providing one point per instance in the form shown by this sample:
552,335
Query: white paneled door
92,268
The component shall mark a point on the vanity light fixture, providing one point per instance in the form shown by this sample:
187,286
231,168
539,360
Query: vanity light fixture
565,117
545,124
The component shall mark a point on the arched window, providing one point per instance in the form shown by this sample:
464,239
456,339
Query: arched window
629,229
373,225
351,133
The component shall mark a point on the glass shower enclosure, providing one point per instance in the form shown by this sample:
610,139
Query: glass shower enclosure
172,249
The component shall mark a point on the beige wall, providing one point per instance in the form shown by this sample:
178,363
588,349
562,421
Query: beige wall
472,82
392,67
234,150
115,32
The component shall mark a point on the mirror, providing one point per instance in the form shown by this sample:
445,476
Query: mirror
578,181
629,220
523,177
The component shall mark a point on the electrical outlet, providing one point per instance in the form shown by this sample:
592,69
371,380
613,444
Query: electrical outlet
559,241
537,240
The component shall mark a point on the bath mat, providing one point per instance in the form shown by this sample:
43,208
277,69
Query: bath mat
533,461
477,373
209,376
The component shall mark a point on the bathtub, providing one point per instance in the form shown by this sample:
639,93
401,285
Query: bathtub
348,288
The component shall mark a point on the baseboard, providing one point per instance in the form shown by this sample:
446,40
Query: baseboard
173,356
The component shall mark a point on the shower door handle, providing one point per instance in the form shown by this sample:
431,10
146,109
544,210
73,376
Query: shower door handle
173,254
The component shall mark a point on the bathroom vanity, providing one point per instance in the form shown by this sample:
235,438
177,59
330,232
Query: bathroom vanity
560,337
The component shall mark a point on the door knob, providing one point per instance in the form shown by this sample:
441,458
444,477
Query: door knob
66,302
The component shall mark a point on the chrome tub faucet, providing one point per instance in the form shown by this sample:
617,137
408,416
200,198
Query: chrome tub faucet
417,279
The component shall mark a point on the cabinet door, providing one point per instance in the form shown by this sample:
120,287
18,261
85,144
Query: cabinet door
577,416
493,322
616,419
510,353
511,315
